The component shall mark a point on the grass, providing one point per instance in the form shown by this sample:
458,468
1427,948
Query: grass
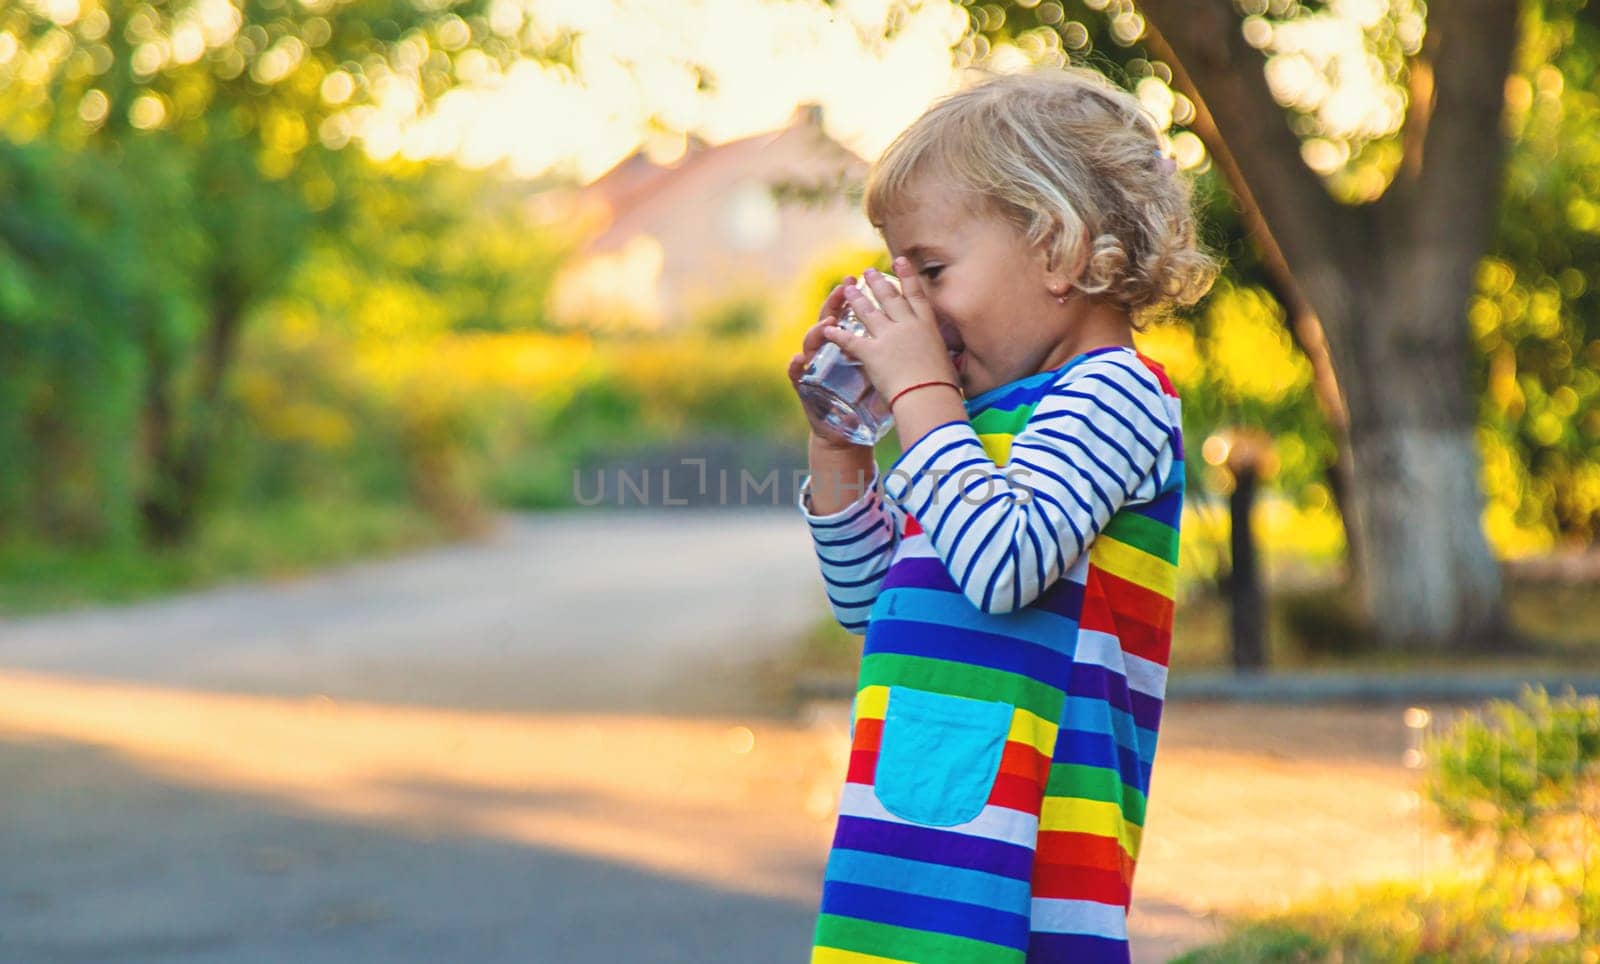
268,542
1453,921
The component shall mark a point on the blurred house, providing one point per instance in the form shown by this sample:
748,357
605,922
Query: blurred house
718,228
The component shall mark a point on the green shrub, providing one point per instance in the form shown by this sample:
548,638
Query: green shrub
1516,778
1504,770
1520,779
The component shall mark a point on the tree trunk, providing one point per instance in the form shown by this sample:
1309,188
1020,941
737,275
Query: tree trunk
1389,283
1418,504
156,504
181,461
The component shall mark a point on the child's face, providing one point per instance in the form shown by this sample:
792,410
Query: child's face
989,286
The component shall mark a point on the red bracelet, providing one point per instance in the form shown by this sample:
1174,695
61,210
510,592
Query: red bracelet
918,385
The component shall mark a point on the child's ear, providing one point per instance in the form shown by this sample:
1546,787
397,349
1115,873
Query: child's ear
1060,275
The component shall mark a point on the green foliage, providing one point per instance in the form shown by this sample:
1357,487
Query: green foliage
254,72
1515,773
1445,922
1519,777
736,318
235,542
602,415
423,248
1235,366
1535,317
1085,32
393,360
248,105
1523,781
93,278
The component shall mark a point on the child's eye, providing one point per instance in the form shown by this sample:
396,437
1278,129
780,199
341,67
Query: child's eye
931,272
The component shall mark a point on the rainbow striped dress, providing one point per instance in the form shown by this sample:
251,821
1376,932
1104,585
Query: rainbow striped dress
1014,575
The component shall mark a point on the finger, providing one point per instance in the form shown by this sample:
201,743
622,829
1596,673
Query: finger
887,295
830,304
848,341
911,288
868,313
834,303
813,337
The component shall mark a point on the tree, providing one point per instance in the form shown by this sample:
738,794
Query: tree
92,266
254,99
1389,280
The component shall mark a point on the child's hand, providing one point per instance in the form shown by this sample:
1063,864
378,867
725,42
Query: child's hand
814,339
905,346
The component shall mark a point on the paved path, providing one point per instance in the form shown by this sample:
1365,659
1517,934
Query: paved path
549,748
578,610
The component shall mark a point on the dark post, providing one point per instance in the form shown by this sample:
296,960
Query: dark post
1249,457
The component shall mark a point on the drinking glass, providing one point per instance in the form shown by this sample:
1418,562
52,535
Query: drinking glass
836,390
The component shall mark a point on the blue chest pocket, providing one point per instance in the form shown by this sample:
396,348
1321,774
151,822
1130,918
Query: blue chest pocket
939,755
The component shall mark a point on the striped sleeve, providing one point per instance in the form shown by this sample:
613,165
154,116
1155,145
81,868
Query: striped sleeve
854,546
1097,440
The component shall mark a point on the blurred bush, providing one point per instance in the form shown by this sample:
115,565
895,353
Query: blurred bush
1519,780
1522,780
95,288
1535,315
1511,774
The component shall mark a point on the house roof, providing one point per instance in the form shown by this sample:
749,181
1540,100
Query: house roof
634,190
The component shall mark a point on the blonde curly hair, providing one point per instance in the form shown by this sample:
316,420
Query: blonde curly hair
1070,159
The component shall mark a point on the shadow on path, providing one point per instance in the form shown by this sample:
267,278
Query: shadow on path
101,862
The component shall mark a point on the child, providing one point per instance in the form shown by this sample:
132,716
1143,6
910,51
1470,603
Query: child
1014,572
